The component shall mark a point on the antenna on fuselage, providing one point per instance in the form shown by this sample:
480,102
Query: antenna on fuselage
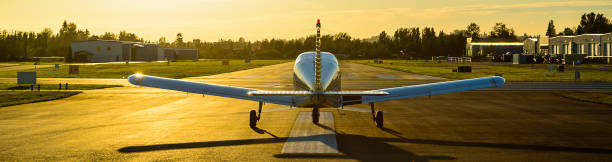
318,57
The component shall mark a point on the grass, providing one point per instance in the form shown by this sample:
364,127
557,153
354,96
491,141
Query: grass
5,65
32,63
8,98
603,97
162,69
512,73
11,86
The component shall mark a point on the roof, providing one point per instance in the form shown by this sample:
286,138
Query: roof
498,43
597,34
114,41
594,34
500,40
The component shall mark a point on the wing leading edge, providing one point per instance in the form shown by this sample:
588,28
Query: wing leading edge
204,88
435,88
287,97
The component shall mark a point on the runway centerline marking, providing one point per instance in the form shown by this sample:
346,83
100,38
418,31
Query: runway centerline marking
307,137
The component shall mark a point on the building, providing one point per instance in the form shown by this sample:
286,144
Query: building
594,46
147,52
181,54
535,46
562,45
100,51
492,46
606,41
120,51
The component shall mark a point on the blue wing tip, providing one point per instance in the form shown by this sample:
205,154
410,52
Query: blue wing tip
135,79
499,81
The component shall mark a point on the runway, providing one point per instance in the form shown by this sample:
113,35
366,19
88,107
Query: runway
145,124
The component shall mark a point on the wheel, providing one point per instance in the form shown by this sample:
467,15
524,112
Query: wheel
315,115
379,119
253,118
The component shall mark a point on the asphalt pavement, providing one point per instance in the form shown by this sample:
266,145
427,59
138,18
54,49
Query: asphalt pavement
145,124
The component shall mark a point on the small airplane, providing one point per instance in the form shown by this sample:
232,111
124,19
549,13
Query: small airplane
316,82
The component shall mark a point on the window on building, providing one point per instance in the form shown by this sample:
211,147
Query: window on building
108,48
97,48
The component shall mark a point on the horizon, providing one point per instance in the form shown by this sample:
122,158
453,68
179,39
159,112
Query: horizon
272,19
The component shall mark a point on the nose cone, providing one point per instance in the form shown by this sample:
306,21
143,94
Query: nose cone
136,79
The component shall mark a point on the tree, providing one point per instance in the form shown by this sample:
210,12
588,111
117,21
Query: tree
428,39
162,41
383,45
108,36
473,30
125,36
568,31
551,29
500,30
593,23
179,40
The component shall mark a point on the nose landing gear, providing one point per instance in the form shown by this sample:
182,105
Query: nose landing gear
315,115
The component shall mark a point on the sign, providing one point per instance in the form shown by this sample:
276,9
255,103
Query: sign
74,69
26,77
551,68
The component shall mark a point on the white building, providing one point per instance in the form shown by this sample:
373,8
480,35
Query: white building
100,51
595,46
120,51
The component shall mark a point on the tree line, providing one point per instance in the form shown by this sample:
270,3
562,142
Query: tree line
405,43
22,46
590,23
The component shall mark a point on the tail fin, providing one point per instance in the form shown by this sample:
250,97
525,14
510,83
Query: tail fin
318,57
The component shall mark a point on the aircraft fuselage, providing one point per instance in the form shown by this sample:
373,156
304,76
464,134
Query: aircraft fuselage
304,80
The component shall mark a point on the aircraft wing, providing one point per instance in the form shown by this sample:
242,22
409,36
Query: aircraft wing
432,89
205,88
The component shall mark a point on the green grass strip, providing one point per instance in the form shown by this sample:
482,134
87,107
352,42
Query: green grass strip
9,98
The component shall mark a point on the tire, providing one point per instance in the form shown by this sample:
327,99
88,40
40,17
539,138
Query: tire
315,115
253,118
379,119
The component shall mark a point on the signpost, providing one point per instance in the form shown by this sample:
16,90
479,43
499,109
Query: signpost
73,69
26,78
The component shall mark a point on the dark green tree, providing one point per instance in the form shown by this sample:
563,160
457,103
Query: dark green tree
550,31
473,30
593,23
500,30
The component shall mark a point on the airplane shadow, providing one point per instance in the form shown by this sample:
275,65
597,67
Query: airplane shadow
262,131
363,148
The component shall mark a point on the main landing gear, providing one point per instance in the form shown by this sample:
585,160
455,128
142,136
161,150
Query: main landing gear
377,116
255,116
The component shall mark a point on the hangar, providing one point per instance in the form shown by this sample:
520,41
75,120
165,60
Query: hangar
100,51
181,54
492,46
121,51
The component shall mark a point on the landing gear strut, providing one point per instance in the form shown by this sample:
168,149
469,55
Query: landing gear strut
377,116
315,115
255,116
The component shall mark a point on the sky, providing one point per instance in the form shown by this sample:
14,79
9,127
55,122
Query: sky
211,20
